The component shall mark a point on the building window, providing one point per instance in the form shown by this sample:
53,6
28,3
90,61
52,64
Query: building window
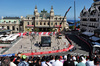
13,27
36,23
40,23
14,21
27,23
28,17
8,27
56,18
44,23
56,23
51,23
60,18
48,23
9,21
17,29
2,27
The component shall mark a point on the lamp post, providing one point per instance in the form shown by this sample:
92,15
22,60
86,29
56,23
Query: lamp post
31,44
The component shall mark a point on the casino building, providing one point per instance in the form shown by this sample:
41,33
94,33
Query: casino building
43,21
90,19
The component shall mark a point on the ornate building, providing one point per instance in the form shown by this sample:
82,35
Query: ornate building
43,21
90,19
10,23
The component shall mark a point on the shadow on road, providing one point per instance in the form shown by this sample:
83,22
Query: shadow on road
83,46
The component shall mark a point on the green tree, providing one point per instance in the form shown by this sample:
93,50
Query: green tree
36,30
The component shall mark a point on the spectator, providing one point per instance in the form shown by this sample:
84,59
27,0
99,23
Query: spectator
80,62
68,62
83,60
47,62
74,59
52,59
12,63
57,62
38,62
34,62
24,61
97,61
43,60
65,58
17,60
90,62
5,61
61,59
30,62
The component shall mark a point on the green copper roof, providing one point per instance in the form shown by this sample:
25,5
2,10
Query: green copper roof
44,12
7,20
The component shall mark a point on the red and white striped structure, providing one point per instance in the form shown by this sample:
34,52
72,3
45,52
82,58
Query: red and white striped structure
40,33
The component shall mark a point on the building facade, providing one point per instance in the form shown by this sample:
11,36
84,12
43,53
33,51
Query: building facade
10,23
43,21
90,19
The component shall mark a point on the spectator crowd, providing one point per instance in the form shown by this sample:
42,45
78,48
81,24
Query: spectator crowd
66,60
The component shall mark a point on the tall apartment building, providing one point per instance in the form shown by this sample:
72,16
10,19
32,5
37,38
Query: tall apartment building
90,19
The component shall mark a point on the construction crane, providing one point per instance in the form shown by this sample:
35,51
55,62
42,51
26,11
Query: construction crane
63,19
59,34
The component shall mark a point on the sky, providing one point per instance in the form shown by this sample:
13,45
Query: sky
17,8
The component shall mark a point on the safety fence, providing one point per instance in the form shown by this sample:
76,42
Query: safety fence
39,33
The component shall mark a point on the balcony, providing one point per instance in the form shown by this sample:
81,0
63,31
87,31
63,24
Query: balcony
92,26
84,25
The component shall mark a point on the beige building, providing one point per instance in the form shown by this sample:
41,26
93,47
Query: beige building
43,21
10,23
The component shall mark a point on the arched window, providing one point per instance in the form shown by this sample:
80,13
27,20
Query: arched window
27,23
40,23
8,27
48,23
13,27
44,23
56,23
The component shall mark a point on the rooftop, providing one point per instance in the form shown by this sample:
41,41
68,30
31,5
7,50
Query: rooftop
11,18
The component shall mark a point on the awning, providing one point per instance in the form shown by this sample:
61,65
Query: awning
88,33
96,43
93,38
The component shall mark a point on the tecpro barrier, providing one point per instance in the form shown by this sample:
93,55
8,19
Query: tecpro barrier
48,52
40,33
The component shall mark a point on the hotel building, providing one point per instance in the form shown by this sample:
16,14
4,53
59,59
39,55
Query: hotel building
90,19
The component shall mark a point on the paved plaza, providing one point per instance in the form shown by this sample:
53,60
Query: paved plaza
24,45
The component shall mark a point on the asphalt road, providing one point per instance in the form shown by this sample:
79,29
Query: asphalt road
81,47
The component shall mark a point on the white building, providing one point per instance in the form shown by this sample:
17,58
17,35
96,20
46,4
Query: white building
90,19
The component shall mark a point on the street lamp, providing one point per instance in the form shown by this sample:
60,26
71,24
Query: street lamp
31,44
